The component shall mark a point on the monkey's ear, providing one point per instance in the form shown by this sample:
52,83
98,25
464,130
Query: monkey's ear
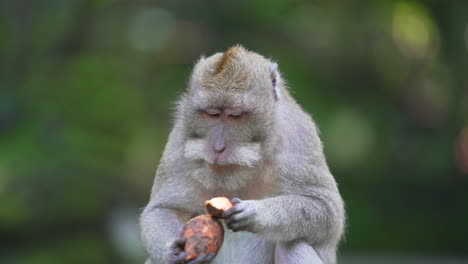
275,77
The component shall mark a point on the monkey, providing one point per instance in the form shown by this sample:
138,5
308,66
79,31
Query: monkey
239,133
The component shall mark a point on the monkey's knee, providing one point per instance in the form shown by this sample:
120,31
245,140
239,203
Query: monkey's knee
298,252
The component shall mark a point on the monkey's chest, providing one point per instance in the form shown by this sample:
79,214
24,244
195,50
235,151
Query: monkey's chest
244,247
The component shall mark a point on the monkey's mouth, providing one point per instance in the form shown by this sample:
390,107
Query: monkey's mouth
244,156
223,168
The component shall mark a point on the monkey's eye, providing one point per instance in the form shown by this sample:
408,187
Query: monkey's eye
212,112
236,115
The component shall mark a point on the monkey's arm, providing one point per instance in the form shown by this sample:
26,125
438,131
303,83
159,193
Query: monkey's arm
316,217
169,208
160,227
312,212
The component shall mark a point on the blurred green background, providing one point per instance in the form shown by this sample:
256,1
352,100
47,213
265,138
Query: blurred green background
86,92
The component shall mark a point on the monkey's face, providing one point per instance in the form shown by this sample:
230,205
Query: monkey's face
226,131
228,113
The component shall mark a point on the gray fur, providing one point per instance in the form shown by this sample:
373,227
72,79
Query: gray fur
290,199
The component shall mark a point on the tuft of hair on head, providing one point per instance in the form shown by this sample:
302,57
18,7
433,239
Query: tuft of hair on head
228,57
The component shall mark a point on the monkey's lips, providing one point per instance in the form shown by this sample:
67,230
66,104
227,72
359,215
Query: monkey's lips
223,168
220,165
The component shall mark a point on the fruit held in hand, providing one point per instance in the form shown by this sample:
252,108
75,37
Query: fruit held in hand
204,235
217,206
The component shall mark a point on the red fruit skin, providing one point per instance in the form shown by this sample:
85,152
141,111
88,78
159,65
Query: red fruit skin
204,235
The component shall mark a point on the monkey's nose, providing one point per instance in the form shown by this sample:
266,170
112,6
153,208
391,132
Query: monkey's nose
219,147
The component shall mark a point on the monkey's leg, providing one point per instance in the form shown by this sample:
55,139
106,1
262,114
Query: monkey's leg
245,247
298,252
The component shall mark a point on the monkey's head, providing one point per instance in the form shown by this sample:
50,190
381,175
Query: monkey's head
229,110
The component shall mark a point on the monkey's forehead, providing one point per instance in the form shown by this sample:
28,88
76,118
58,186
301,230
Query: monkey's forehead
239,80
201,99
238,74
250,100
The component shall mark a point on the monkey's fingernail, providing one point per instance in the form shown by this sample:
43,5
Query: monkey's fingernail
235,200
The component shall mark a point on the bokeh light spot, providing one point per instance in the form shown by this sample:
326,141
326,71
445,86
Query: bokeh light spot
349,138
412,28
429,102
150,29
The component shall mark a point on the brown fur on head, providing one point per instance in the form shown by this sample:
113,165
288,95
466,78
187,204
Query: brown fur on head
236,70
228,58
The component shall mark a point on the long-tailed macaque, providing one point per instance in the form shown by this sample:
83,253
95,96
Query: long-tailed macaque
239,133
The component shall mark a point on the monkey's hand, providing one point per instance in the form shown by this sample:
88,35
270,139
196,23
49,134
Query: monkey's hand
177,254
242,216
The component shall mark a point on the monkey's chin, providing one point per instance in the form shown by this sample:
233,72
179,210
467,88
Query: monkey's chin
229,177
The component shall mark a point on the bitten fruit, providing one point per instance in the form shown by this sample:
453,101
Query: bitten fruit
204,235
217,206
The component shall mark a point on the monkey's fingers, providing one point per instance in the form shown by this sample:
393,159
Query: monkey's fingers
238,225
202,259
244,213
177,258
210,257
234,210
179,243
235,201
